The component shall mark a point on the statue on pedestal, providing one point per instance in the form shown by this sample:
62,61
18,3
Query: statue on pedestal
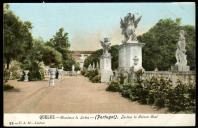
181,51
181,64
128,26
105,61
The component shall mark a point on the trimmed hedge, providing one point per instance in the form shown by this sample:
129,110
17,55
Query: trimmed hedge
93,75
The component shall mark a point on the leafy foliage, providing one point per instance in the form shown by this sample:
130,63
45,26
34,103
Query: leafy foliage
7,87
15,70
160,43
67,63
95,57
93,75
158,91
6,75
51,57
182,98
96,79
17,37
40,53
36,72
113,86
60,42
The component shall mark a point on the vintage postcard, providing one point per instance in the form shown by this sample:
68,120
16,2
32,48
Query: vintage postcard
99,64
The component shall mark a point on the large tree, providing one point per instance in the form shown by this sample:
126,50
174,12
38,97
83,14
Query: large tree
51,57
60,42
40,53
17,38
160,44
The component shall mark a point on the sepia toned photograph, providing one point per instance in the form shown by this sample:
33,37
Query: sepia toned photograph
98,58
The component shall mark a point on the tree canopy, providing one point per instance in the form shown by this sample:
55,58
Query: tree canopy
60,42
17,37
160,44
51,57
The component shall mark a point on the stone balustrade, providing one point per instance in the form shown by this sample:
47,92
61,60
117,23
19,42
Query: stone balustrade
185,77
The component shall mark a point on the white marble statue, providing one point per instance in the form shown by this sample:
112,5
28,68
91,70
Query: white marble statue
181,51
128,26
105,45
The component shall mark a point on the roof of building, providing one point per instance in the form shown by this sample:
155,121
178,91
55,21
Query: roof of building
82,52
77,54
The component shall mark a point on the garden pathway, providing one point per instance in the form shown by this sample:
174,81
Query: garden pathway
72,94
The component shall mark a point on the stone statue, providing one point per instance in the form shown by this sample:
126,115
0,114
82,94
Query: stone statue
90,67
97,65
105,45
73,67
181,51
128,26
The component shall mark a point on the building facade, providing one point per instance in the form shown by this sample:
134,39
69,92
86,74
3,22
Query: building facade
80,57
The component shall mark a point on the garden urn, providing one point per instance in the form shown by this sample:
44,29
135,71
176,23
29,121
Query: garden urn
26,75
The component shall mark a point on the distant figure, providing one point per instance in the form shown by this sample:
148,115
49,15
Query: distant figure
57,74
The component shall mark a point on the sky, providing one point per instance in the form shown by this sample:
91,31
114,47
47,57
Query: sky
88,23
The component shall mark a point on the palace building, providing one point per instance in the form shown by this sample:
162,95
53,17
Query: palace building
80,56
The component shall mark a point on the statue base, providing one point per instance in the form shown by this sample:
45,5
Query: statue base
105,67
105,76
127,53
180,68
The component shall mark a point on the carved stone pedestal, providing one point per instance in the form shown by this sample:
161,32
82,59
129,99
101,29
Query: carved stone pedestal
105,67
130,54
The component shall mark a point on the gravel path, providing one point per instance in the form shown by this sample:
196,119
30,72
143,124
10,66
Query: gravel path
72,94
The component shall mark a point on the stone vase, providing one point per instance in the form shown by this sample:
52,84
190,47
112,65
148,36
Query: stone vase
52,76
26,75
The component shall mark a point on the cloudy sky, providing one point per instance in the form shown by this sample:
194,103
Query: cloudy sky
87,23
